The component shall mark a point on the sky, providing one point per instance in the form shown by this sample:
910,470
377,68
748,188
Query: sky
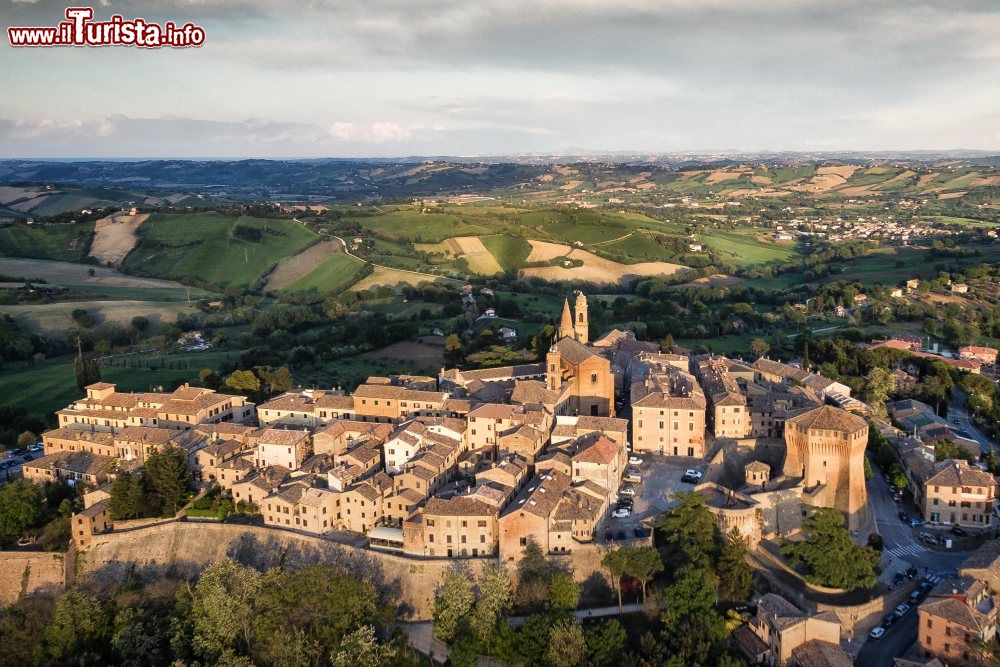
385,78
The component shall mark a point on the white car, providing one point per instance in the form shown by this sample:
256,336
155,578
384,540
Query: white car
692,473
626,490
877,632
902,609
635,460
622,513
632,476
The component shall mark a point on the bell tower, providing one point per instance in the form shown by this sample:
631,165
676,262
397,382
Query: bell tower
553,368
566,327
581,321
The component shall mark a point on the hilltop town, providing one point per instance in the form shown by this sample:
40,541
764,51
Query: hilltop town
580,455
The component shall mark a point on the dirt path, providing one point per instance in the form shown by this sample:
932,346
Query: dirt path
115,236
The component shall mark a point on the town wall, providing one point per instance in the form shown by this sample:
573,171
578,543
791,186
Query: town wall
24,572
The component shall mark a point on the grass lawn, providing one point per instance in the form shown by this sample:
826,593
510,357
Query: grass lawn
743,248
333,275
509,251
46,388
202,247
534,303
55,318
409,224
60,242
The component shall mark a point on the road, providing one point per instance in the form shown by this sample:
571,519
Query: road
957,410
896,641
901,550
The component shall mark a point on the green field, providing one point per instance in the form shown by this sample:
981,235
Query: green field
509,251
333,275
46,388
742,248
69,243
201,247
409,224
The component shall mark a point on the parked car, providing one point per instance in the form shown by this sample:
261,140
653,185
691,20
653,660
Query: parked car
924,536
890,620
691,477
898,579
624,503
626,490
6,464
917,595
877,633
632,476
621,513
27,457
902,609
635,460
903,516
916,522
911,572
959,532
16,452
36,447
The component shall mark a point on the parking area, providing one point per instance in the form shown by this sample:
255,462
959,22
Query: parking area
654,495
12,460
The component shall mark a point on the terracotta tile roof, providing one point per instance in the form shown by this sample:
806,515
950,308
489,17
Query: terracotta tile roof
573,351
601,450
283,437
83,463
955,472
458,506
816,653
399,393
827,418
67,433
335,402
779,612
495,411
160,436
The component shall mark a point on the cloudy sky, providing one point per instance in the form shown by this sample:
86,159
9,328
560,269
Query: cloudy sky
308,78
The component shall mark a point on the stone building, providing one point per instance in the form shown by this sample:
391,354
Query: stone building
825,446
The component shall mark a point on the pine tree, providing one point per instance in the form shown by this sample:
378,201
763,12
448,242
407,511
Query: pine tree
167,472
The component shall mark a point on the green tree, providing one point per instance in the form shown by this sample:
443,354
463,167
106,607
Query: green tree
693,629
830,556
567,646
805,355
453,349
878,387
277,380
79,631
127,499
453,604
616,563
86,369
223,608
758,347
493,603
534,571
315,607
26,438
947,449
691,532
564,593
643,563
735,572
533,639
244,382
22,506
606,643
167,472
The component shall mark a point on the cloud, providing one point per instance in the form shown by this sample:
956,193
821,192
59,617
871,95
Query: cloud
391,77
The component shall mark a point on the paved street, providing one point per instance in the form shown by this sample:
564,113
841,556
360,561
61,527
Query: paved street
957,411
901,550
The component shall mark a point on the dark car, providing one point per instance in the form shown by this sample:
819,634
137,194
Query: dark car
620,535
890,620
898,578
28,457
903,517
911,573
959,532
639,531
